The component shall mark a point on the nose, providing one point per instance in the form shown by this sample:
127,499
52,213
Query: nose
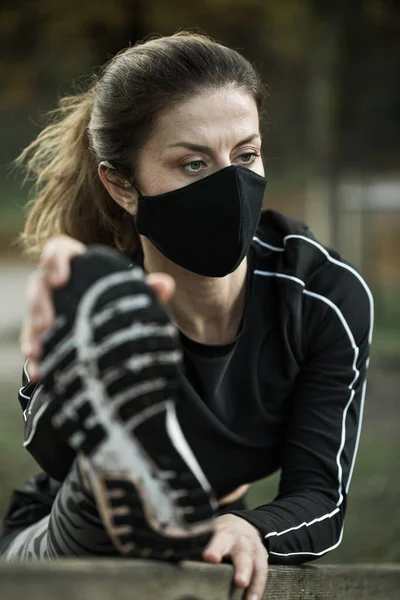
223,161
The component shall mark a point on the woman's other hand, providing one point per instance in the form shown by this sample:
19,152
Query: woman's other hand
53,272
238,540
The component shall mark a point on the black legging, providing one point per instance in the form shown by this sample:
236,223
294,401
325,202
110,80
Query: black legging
72,527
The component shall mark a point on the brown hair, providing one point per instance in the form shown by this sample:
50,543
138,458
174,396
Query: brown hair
111,121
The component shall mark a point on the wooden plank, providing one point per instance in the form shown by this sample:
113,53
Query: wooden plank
113,579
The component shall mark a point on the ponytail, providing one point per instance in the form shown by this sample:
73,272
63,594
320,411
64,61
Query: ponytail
68,196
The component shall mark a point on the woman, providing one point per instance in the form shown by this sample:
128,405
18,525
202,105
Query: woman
161,160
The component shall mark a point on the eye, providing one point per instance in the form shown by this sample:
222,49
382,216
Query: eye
194,166
248,157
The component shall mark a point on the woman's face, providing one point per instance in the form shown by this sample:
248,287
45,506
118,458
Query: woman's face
195,138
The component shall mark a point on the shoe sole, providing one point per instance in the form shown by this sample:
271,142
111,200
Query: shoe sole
122,418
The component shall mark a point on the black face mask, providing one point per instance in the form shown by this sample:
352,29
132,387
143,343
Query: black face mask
207,226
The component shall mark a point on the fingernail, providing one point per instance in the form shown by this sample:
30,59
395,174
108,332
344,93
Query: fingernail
253,597
34,350
213,555
243,577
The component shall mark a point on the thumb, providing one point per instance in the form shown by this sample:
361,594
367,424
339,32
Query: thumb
162,284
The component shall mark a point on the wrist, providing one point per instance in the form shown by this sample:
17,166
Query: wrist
238,522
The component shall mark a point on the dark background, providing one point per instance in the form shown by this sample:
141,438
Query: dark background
331,150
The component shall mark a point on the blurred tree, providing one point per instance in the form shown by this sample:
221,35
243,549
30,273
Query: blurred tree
45,44
354,47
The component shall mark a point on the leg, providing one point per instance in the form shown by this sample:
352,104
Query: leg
109,371
73,528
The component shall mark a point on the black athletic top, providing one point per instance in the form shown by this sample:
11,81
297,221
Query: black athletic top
287,394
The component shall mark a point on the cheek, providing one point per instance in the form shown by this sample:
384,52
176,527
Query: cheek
259,168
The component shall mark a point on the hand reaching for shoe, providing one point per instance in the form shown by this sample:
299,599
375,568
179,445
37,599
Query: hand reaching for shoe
238,540
54,271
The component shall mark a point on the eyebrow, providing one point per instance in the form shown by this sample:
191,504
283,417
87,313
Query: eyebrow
200,148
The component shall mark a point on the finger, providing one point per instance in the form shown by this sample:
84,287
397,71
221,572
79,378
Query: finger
40,306
29,351
33,370
162,284
56,256
219,546
243,565
259,578
40,316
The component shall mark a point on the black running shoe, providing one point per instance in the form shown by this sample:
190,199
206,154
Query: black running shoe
109,368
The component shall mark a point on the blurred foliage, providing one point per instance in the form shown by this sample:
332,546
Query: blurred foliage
44,44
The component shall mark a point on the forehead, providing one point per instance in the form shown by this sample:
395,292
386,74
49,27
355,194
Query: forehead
207,116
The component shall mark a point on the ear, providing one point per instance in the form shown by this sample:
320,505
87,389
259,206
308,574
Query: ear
119,188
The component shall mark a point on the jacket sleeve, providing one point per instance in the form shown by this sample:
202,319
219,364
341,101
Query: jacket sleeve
53,455
306,518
